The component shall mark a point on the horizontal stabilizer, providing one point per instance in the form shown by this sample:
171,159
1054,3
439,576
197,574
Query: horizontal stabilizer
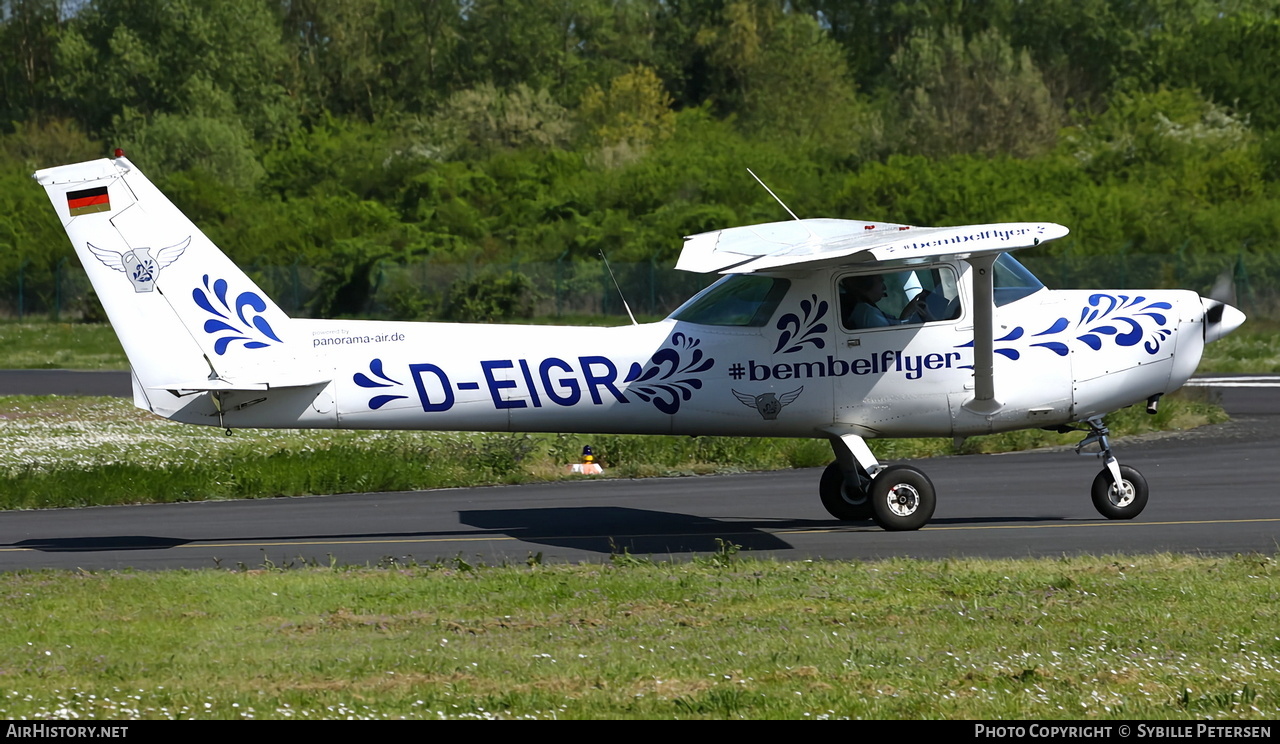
227,386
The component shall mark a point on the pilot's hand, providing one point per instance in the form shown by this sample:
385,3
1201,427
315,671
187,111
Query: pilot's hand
916,307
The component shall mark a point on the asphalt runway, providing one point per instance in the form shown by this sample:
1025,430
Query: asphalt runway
1212,492
64,382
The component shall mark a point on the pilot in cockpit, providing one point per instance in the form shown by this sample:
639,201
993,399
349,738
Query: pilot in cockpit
861,299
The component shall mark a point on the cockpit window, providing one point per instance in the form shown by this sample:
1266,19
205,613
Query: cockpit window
1013,281
737,300
911,297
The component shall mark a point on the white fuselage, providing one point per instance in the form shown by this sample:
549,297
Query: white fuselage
1060,356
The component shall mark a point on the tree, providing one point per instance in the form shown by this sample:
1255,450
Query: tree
29,31
123,59
530,42
1232,61
336,46
973,96
632,114
219,149
417,42
1167,128
785,78
481,120
803,94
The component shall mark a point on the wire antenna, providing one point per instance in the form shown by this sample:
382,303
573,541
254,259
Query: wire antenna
775,196
619,288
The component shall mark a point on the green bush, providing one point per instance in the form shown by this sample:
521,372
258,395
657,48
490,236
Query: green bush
489,297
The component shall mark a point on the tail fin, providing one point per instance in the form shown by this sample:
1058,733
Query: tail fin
189,320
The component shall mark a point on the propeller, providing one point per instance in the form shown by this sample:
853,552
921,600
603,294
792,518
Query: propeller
1224,288
1220,314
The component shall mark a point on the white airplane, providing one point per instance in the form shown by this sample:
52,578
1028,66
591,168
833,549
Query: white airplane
839,329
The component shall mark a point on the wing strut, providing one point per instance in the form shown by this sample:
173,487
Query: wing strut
984,386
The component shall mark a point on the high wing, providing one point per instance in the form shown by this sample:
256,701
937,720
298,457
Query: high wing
816,243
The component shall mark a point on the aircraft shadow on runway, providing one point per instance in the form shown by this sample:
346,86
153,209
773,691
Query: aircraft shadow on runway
614,529
598,529
601,529
100,543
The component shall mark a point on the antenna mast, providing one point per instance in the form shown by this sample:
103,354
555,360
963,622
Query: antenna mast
616,286
775,196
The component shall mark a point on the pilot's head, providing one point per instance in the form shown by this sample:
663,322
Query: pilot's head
869,288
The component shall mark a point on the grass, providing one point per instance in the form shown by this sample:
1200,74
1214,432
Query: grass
45,345
1254,348
1106,638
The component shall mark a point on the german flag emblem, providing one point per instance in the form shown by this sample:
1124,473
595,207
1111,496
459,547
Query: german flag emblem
88,201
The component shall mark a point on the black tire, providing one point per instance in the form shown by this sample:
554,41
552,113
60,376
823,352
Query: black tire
902,498
848,504
1125,502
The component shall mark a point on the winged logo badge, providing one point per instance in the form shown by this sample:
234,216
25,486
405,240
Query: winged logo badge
138,264
768,404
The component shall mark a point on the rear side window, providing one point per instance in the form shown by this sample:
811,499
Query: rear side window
746,300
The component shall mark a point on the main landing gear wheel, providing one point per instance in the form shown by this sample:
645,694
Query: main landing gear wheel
1123,500
849,503
902,498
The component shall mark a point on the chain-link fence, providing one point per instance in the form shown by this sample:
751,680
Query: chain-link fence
1250,278
569,289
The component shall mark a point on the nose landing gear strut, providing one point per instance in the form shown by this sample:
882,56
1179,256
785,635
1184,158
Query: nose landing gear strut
1119,491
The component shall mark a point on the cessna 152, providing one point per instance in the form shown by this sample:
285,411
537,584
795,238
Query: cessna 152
839,329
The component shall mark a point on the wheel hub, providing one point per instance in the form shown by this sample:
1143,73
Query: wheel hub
903,500
1121,494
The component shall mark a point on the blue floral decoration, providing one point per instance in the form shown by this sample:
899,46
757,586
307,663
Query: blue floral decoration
377,401
1122,319
253,330
1125,320
145,270
662,381
805,331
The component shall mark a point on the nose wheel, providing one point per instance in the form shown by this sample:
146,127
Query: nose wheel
1119,491
1123,499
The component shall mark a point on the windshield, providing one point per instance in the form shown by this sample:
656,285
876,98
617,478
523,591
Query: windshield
1013,281
736,300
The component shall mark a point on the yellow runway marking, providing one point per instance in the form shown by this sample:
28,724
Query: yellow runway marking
349,542
1116,523
1113,523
